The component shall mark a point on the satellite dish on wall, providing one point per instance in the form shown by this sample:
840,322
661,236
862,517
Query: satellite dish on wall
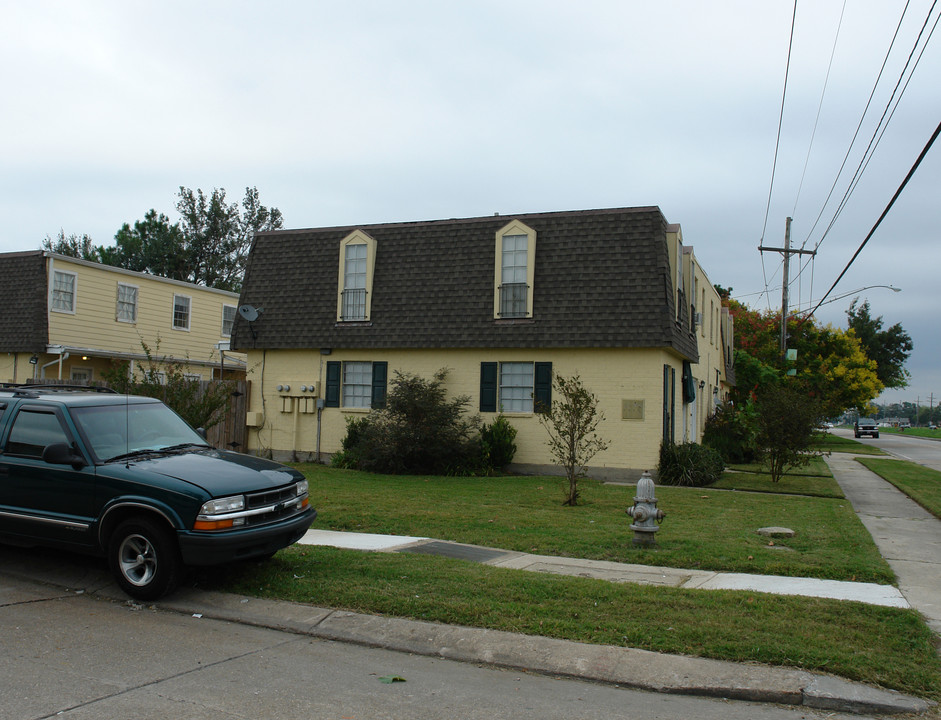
249,312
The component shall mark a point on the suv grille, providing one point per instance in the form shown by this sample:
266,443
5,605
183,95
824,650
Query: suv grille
275,500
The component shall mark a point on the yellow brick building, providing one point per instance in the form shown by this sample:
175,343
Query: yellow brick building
330,314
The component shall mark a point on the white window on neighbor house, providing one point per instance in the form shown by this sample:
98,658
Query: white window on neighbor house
516,387
181,312
126,310
63,291
81,375
228,320
357,384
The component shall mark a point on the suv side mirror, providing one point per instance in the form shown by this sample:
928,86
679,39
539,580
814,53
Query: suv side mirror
63,454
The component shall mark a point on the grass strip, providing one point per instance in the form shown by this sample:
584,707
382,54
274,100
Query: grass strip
884,646
816,467
808,485
921,484
827,442
704,528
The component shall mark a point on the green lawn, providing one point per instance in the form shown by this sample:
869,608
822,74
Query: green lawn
921,484
705,528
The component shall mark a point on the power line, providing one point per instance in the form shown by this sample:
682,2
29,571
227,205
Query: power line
882,124
777,142
911,173
823,92
858,127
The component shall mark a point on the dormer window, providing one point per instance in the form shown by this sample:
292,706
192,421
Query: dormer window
357,261
513,271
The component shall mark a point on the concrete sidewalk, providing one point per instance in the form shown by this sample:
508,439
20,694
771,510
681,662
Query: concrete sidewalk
907,535
870,593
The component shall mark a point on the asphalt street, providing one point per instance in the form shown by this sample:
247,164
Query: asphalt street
80,655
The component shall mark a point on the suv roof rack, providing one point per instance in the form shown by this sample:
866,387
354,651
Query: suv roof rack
44,387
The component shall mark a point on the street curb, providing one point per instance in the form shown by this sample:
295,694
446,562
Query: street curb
622,667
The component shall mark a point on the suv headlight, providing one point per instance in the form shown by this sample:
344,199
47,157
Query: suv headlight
206,519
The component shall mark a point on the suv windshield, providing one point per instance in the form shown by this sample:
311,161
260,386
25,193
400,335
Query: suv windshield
113,431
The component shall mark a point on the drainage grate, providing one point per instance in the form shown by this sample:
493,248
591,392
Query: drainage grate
454,550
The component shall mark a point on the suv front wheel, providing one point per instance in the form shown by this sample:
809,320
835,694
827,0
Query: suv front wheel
144,559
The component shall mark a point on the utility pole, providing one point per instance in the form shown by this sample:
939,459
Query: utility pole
787,252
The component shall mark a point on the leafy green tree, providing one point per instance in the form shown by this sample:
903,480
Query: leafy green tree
208,246
787,420
831,363
153,245
572,423
218,235
77,246
889,348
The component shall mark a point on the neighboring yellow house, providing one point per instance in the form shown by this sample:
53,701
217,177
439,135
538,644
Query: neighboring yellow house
328,315
70,319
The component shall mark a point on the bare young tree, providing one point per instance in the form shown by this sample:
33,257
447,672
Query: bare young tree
572,423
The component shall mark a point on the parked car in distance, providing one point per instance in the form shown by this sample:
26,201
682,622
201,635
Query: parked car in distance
866,426
125,477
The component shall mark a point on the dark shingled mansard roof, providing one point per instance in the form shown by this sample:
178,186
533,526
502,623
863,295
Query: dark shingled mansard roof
23,323
602,279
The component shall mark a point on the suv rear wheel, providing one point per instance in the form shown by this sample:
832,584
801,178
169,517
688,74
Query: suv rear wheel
144,559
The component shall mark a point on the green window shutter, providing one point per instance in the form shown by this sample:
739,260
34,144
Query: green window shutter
380,374
542,387
488,387
332,393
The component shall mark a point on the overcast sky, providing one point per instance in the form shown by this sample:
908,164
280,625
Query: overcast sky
363,112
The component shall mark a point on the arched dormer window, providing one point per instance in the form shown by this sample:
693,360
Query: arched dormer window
514,261
354,288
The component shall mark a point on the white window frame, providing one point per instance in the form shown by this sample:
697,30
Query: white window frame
119,301
355,239
356,394
189,312
516,397
514,229
231,322
55,294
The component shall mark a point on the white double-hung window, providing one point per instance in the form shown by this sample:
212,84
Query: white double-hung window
514,274
355,277
357,384
63,291
354,283
513,285
126,310
516,387
181,312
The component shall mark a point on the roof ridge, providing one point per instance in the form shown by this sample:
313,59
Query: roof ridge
467,220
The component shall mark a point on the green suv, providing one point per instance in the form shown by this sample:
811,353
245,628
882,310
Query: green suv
125,477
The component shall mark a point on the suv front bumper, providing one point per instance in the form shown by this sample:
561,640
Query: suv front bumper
213,548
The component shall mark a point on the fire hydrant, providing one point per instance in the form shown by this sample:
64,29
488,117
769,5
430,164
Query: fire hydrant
647,517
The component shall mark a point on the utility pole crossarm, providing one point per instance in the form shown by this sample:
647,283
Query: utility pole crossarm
762,248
